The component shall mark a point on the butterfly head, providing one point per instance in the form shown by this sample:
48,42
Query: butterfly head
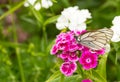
77,38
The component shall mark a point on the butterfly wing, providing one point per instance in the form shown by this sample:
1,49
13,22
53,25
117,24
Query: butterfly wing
95,40
108,33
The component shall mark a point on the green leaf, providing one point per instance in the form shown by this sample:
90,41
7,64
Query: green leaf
74,78
26,19
37,14
101,69
51,20
54,76
12,10
99,74
109,3
96,76
117,57
49,47
116,45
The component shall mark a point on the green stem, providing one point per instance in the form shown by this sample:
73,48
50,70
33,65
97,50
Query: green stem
20,64
80,71
17,51
44,37
62,78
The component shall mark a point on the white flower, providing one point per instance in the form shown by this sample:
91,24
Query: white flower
116,20
77,27
107,48
116,29
32,2
63,22
37,6
73,18
44,3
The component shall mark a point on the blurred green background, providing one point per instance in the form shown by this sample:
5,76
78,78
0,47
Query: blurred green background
27,35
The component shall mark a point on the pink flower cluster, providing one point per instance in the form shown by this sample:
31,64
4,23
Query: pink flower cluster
86,80
67,48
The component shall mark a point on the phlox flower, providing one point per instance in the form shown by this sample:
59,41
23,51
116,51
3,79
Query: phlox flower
37,5
97,52
67,48
116,29
68,68
66,42
54,49
69,56
86,80
73,18
73,57
88,60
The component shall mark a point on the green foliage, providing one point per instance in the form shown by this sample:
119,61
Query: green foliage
30,60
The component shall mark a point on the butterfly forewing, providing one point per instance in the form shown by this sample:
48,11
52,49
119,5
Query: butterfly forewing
95,40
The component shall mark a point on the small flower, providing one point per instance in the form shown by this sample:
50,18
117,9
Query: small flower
46,3
69,56
64,55
73,57
62,23
97,52
66,42
68,68
63,46
116,20
32,2
116,29
88,60
86,80
73,18
54,49
37,5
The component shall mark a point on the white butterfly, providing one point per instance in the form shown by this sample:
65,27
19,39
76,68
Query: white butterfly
95,40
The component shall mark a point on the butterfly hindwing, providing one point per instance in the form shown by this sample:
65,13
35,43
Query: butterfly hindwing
108,33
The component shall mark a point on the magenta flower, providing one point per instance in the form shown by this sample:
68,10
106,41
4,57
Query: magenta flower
77,33
63,46
64,55
88,60
73,46
67,48
97,52
73,57
68,68
100,52
69,56
86,80
54,49
66,42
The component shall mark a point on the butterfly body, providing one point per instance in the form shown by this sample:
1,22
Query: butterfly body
95,40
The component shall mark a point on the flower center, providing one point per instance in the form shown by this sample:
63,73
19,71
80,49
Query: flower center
88,60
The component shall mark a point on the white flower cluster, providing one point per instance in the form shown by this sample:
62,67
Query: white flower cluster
116,29
73,18
37,5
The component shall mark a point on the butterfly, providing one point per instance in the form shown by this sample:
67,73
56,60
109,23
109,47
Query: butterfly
95,40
